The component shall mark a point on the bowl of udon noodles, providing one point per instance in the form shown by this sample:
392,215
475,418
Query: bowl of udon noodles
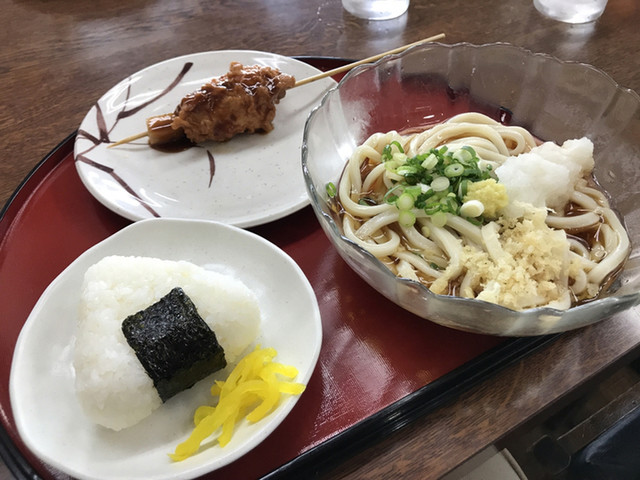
486,188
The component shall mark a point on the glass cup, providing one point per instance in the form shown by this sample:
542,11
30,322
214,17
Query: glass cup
571,11
376,9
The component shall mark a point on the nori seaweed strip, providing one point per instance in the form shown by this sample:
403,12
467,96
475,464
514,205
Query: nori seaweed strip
173,343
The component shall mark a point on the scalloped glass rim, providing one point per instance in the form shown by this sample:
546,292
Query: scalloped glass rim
554,99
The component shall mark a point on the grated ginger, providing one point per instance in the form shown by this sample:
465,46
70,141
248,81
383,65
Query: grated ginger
491,194
525,266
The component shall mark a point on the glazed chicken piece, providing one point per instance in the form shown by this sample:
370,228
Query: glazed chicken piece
241,101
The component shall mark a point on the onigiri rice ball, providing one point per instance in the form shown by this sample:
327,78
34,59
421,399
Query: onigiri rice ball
112,386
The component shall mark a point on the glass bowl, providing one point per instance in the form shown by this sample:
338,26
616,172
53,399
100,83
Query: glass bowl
553,99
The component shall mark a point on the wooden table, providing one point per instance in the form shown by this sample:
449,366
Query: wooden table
57,58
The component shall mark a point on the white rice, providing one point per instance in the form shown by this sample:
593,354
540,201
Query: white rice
112,386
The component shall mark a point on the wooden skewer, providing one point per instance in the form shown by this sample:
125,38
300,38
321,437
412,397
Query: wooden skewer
129,139
345,68
319,76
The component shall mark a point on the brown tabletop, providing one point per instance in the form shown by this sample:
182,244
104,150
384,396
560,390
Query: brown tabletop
58,57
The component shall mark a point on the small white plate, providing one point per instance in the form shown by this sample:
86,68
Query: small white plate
47,414
257,178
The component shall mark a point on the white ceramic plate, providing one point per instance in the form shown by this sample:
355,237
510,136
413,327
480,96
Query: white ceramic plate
47,414
258,178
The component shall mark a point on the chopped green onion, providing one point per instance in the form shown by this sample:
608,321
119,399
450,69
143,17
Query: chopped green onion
436,181
331,190
472,172
432,208
405,201
472,208
470,150
430,162
405,170
406,218
463,155
399,157
398,146
390,196
463,188
439,219
440,183
391,165
386,153
449,205
454,170
413,190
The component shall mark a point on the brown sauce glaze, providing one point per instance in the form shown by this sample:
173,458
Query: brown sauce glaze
175,146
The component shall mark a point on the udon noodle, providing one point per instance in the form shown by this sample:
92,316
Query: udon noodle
474,208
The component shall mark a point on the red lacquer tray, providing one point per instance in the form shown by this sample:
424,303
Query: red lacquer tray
380,367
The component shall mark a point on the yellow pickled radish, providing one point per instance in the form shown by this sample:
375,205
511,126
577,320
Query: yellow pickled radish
252,390
202,412
269,400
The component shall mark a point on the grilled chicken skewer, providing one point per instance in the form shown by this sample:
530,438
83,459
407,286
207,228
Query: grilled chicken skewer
241,101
